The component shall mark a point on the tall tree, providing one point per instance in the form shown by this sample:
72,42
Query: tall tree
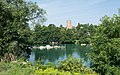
14,28
105,54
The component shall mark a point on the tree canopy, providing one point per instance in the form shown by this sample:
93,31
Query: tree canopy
46,34
105,54
15,32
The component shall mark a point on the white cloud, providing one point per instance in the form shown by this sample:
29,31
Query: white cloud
95,2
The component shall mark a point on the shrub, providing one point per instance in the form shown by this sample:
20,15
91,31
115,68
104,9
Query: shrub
74,65
26,68
105,56
18,68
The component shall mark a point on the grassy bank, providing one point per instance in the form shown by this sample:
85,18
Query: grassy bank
68,67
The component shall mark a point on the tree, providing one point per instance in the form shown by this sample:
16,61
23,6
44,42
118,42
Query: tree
15,32
47,34
84,32
105,52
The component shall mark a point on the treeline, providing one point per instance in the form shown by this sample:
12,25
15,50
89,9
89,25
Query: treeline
48,34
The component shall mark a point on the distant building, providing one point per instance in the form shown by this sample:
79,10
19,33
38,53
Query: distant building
69,26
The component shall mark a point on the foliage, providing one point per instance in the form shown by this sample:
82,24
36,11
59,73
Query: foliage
85,32
15,33
51,33
51,71
105,54
16,68
26,68
110,26
74,65
45,34
70,66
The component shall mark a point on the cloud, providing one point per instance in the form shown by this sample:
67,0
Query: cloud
96,2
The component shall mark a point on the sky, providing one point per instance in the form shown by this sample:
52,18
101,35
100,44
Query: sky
78,11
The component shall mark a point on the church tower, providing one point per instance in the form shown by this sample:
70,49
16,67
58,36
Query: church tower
69,26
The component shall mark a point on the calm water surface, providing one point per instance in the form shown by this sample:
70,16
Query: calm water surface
60,54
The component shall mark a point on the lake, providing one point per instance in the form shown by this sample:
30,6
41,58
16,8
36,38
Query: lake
60,54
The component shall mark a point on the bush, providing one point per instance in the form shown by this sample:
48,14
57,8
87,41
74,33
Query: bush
105,55
51,71
74,65
17,68
71,64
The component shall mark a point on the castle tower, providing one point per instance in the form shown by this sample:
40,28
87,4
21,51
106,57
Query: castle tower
69,26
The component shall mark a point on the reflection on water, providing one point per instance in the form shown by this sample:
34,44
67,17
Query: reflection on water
56,55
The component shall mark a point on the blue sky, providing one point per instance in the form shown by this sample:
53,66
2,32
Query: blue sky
82,11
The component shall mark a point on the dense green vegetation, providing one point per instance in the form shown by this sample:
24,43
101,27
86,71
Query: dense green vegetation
15,33
47,34
105,54
70,66
16,40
